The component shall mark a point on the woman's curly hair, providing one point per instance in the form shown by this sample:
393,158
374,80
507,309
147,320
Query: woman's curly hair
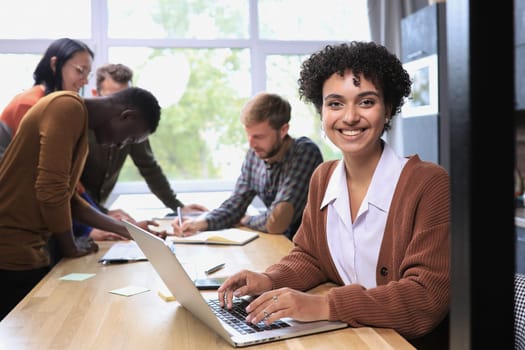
371,60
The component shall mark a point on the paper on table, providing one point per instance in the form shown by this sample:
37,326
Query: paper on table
164,225
229,236
129,290
76,276
120,252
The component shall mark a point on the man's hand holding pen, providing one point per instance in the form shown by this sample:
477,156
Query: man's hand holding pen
184,226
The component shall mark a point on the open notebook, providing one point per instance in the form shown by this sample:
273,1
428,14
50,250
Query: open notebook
230,326
229,236
232,236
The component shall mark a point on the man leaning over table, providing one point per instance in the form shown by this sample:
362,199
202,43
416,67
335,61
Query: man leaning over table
39,173
103,164
277,168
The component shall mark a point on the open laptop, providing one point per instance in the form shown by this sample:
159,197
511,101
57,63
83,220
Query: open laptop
182,287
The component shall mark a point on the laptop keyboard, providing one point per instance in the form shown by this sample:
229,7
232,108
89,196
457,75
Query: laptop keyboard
236,317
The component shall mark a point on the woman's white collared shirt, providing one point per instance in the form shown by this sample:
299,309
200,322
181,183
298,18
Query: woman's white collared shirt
354,247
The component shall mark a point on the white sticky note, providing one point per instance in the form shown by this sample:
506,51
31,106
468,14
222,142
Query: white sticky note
129,290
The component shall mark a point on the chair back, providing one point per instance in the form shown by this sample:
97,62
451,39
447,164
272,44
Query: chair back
519,311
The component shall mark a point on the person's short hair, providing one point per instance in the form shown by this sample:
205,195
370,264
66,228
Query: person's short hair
63,49
371,60
266,106
145,102
119,72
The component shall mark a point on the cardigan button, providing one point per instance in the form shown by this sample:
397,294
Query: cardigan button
384,271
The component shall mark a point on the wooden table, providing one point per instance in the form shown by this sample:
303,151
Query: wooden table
79,315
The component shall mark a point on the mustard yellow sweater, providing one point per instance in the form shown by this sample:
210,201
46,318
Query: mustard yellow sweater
38,175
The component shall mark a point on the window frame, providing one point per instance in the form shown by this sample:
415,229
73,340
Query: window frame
100,44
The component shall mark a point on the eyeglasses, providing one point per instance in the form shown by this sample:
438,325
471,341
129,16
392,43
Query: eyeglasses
82,71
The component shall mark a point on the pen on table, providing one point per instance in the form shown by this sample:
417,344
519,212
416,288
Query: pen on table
214,269
114,261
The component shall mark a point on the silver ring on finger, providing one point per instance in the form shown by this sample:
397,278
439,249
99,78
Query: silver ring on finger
266,315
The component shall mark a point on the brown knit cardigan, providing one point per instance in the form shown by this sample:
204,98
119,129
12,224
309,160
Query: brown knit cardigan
412,293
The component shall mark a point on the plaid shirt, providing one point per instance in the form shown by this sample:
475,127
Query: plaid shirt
285,180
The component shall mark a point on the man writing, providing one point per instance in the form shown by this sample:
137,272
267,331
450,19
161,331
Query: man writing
277,168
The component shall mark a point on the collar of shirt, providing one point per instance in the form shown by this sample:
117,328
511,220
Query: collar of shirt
381,187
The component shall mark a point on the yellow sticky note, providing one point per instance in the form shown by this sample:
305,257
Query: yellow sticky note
166,295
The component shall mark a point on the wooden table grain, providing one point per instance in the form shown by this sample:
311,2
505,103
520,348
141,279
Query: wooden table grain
59,314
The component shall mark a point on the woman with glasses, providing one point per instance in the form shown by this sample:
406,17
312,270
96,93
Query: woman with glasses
66,65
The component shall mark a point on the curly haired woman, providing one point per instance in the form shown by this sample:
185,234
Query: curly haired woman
376,224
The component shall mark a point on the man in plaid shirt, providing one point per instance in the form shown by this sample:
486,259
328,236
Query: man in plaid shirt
277,168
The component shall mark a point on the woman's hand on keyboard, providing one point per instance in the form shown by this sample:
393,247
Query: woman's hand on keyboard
286,302
243,283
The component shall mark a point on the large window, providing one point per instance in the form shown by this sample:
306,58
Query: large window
202,58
